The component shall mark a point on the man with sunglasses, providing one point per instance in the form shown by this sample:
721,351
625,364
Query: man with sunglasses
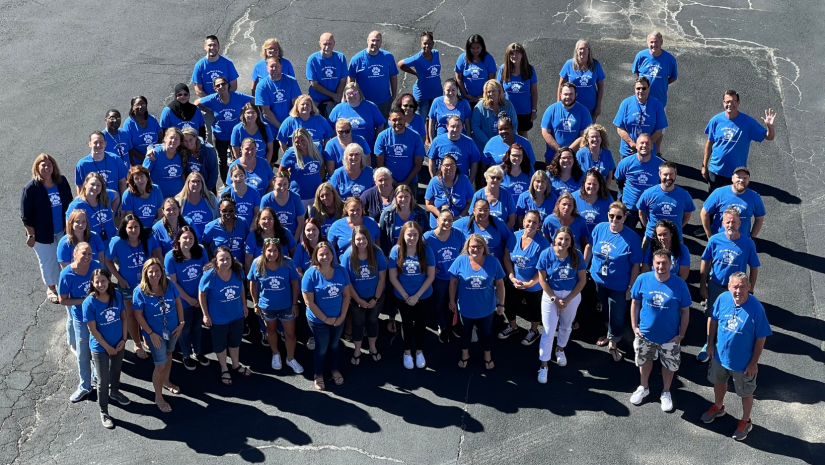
659,67
636,174
640,114
401,151
211,66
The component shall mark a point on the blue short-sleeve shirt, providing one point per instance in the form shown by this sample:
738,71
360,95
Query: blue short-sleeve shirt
476,296
662,304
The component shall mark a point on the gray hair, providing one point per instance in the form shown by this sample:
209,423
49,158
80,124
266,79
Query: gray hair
731,211
494,170
657,34
738,275
381,171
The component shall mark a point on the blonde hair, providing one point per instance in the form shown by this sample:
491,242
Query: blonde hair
56,176
312,150
298,100
190,131
493,170
208,196
351,85
320,210
502,101
269,42
478,238
602,131
144,279
103,196
548,189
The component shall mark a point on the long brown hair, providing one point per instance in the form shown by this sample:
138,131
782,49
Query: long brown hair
305,241
372,262
57,178
130,179
260,264
87,234
525,72
572,251
402,246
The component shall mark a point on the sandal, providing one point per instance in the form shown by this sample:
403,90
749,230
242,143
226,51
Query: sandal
489,365
356,360
52,296
376,356
173,389
242,370
319,383
391,326
617,356
603,341
164,407
226,378
347,337
338,380
463,363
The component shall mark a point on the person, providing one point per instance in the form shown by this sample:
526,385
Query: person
376,72
445,107
412,119
659,316
502,205
305,165
252,125
264,226
47,191
401,151
738,331
310,236
286,205
635,174
270,48
565,173
109,165
474,68
355,176
166,230
594,152
726,253
326,290
158,310
203,158
228,230
426,67
593,199
497,146
729,138
184,267
481,222
225,106
454,143
327,207
664,238
247,199
72,288
639,114
198,205
365,119
221,293
403,208
562,277
94,200
327,73
258,173
167,163
657,65
340,233
446,243
738,196
565,214
276,94
488,111
118,140
304,115
539,197
449,187
103,315
520,82
182,114
380,195
586,73
520,258
142,129
564,122
212,66
78,230
143,197
273,285
334,148
517,170
412,271
666,201
614,265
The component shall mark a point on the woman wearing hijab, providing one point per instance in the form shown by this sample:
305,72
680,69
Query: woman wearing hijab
182,114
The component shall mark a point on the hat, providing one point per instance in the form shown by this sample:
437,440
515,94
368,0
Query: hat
742,168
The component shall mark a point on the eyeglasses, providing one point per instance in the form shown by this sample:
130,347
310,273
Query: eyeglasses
228,211
614,217
272,240
184,94
346,131
218,86
496,178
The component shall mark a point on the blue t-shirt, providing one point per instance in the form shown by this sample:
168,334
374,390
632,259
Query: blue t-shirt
526,203
364,280
145,209
661,205
731,139
638,177
333,151
636,119
476,295
565,125
676,264
445,251
197,215
749,204
605,164
340,234
111,168
739,328
307,178
258,179
516,185
365,119
167,174
277,95
585,81
215,235
155,309
57,209
100,218
76,286
614,254
302,258
728,256
119,144
244,205
65,250
417,125
106,316
328,293
497,234
410,275
440,114
255,248
170,120
581,233
428,84
504,207
188,273
561,275
526,260
570,186
592,214
141,138
239,133
274,287
399,151
318,128
518,90
205,72
657,70
348,187
288,214
457,196
475,74
495,149
662,304
130,259
226,298
326,71
464,150
260,71
228,115
372,73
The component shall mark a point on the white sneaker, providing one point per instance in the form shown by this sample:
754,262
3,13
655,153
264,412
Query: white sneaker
419,360
543,375
656,355
311,343
474,337
296,367
561,359
276,362
408,362
667,402
638,395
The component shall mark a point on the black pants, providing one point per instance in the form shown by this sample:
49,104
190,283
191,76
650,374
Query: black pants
715,181
512,302
222,147
414,322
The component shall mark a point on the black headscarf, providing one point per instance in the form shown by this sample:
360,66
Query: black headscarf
184,111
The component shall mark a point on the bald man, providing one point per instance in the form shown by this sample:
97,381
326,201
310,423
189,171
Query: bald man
327,75
376,72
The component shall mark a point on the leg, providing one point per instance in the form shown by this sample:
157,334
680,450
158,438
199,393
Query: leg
485,330
568,316
549,319
512,300
645,371
421,309
234,354
84,355
167,371
616,308
667,378
290,340
222,148
441,289
158,378
101,360
47,258
184,341
747,406
132,325
719,391
70,337
115,366
407,323
272,335
335,347
533,300
321,331
359,317
196,333
391,305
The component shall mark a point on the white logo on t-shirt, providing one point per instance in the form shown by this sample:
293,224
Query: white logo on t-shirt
643,178
279,96
146,210
192,272
666,209
584,79
109,315
172,171
564,272
398,149
605,249
54,198
521,262
728,257
333,290
283,217
243,209
312,168
475,282
365,272
376,70
411,267
516,87
589,216
328,72
227,115
148,138
657,300
197,217
447,254
229,293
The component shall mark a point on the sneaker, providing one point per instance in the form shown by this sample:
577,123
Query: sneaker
543,375
474,337
443,336
189,364
106,420
246,330
118,397
311,343
507,332
408,362
667,402
419,360
638,395
276,362
713,413
702,356
742,430
296,367
202,360
264,340
561,359
531,337
79,395
656,355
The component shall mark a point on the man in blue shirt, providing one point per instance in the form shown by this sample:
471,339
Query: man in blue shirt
327,75
736,337
729,139
666,201
276,93
564,121
640,114
211,66
109,165
461,147
661,308
376,73
737,195
401,150
636,174
659,67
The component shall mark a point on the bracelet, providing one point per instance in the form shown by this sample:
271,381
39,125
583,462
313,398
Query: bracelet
499,305
30,236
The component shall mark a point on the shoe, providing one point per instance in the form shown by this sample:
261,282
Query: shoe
474,337
656,355
531,337
246,330
202,360
667,402
276,362
296,367
742,430
311,343
638,395
702,356
106,420
189,364
543,375
713,413
73,350
408,362
443,336
118,397
264,340
507,332
79,395
419,360
561,359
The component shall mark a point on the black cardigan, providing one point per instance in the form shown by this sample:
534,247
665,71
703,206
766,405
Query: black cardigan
36,209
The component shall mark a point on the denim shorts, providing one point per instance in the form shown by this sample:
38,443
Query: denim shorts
159,355
126,293
272,315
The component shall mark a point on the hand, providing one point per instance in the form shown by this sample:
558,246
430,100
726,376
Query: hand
452,307
339,321
632,146
124,284
245,311
710,350
176,332
193,302
561,304
156,340
30,241
676,339
258,310
705,172
637,331
111,350
500,310
703,289
533,115
150,152
770,117
121,345
294,311
207,321
597,112
752,369
411,300
627,295
371,303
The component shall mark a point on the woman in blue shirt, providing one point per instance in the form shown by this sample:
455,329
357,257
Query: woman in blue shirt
586,73
664,233
304,115
355,176
302,257
166,230
446,243
142,197
565,172
520,84
142,128
326,290
252,125
334,150
202,158
78,231
426,67
502,205
286,204
593,199
258,172
538,197
449,105
595,154
198,205
167,164
227,230
265,226
182,114
247,199
340,233
473,68
488,226
364,116
160,314
448,187
517,170
476,284
94,200
305,165
566,214
327,207
487,112
412,119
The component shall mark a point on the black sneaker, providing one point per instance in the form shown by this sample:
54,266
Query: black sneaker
444,336
202,360
189,364
507,332
118,397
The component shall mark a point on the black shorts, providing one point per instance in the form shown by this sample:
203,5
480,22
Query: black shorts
524,123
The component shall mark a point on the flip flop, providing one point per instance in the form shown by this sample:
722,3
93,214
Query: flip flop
338,380
617,357
173,389
52,296
164,407
319,383
140,353
376,356
242,370
603,341
463,363
356,360
489,365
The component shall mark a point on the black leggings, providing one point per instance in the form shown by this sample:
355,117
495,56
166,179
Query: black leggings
222,148
512,301
414,321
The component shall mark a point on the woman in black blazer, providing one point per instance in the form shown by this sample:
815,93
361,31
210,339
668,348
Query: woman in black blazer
43,205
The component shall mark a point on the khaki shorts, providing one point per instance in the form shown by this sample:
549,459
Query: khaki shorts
670,353
744,385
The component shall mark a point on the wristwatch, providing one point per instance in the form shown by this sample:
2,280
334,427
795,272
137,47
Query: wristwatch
553,299
499,305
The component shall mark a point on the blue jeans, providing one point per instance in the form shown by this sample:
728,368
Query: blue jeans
424,106
84,355
441,302
190,337
614,308
70,328
327,339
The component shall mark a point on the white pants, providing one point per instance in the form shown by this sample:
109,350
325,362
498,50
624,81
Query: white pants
550,317
47,256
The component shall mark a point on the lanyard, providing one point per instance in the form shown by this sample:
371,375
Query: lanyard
226,235
642,112
164,308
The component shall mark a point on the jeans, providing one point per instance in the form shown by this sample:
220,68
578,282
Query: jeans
190,337
327,340
614,308
84,355
485,331
108,372
365,317
47,257
222,148
70,337
385,108
512,301
550,317
441,302
424,108
414,322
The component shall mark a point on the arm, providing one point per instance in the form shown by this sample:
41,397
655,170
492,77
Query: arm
562,80
706,158
431,166
417,162
634,273
500,295
270,117
324,91
752,367
299,226
582,275
413,299
713,327
431,207
754,273
757,226
270,149
707,222
473,171
179,308
686,218
459,79
154,338
202,107
511,221
233,85
599,95
626,138
671,80
770,117
432,130
478,133
683,325
65,300
330,164
207,320
110,265
684,271
189,299
451,291
545,286
643,217
656,136
704,272
92,325
635,310
534,101
509,270
121,186
199,91
406,68
548,137
393,87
